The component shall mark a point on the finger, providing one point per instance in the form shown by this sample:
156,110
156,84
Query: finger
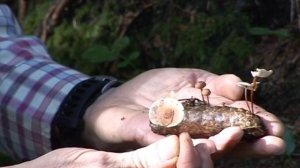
204,155
225,85
226,140
190,156
205,149
273,125
187,153
268,145
209,144
163,153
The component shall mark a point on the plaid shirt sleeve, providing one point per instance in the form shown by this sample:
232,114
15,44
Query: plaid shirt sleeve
32,87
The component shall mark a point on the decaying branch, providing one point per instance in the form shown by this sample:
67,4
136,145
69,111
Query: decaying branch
200,120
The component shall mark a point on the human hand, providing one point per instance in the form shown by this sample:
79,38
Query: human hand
271,144
118,120
171,151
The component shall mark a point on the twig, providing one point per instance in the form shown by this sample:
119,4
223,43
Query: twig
23,7
52,18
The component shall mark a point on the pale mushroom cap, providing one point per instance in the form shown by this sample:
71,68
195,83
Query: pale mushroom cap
166,112
261,73
247,86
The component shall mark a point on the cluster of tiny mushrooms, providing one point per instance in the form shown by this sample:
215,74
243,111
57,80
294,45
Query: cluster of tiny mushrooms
259,73
169,111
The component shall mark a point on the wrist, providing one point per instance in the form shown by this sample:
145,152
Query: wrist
108,126
68,123
90,134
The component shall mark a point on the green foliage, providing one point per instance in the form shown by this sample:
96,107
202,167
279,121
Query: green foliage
35,17
89,41
230,55
263,31
177,34
102,53
218,42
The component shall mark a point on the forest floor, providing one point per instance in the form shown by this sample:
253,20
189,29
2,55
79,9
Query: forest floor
280,95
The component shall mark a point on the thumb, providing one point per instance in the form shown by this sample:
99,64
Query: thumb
226,140
163,153
226,85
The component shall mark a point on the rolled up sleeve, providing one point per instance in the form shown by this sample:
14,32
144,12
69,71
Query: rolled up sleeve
32,87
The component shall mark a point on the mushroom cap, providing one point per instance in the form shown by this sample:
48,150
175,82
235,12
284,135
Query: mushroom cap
200,84
248,86
166,112
262,73
206,92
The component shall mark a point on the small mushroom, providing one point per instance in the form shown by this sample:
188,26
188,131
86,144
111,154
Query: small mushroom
247,86
166,112
206,92
258,73
200,85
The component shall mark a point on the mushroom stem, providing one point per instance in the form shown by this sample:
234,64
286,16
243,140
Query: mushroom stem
206,92
207,100
202,96
200,85
252,92
246,99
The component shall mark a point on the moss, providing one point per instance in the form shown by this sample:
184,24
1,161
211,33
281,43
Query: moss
162,34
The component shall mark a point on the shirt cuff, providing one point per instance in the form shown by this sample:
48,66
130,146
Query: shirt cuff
32,93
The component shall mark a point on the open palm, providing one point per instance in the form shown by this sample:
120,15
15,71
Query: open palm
118,120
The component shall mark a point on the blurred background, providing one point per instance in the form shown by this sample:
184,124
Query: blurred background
123,38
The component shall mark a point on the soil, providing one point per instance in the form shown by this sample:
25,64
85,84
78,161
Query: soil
279,94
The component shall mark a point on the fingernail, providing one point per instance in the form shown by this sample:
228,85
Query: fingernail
168,148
